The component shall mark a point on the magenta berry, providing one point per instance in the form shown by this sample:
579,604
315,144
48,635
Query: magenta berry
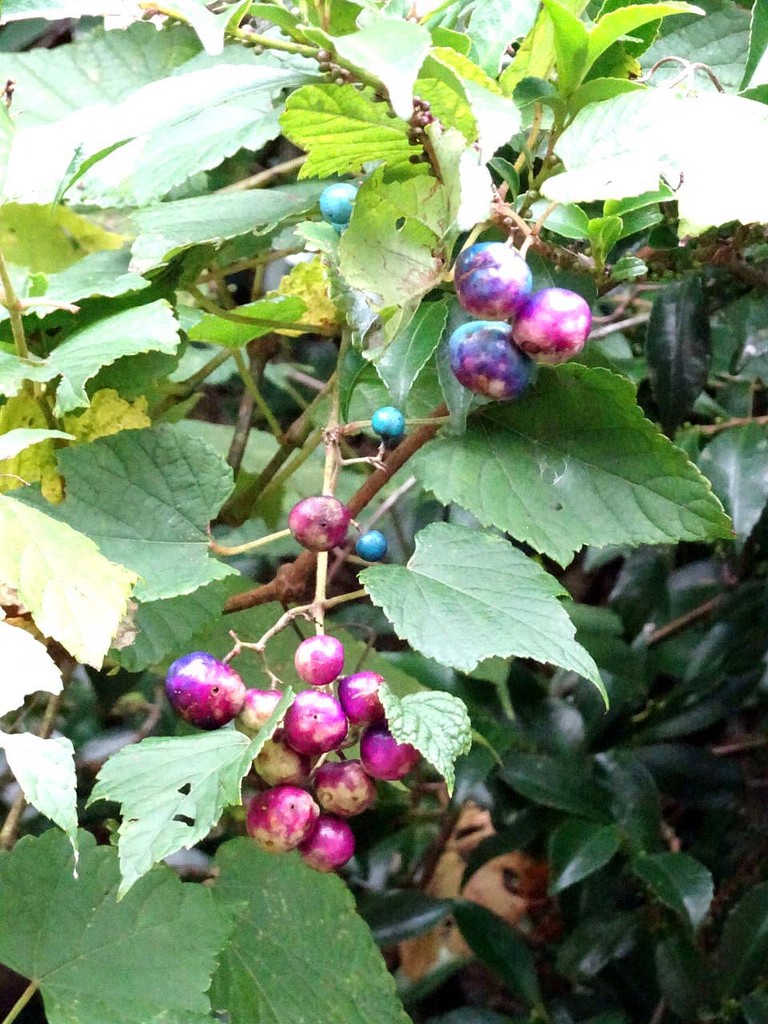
344,788
383,757
319,659
204,691
257,707
329,845
492,280
279,819
359,696
485,359
319,523
553,325
315,723
279,764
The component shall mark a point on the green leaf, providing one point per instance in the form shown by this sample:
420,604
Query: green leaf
341,128
21,438
74,593
464,596
436,723
755,1007
604,233
494,24
173,789
678,348
148,958
45,770
683,975
679,882
398,914
6,141
599,89
567,783
25,667
597,473
595,942
266,314
208,28
499,946
744,944
149,328
566,219
758,44
578,849
571,45
635,800
286,913
406,356
734,461
146,497
622,22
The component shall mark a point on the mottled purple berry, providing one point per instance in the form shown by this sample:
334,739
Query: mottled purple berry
280,818
359,696
257,708
344,788
319,523
204,691
492,280
329,845
485,359
553,325
315,723
319,659
383,757
279,764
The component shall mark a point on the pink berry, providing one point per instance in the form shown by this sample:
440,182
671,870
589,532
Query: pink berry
553,325
315,723
319,523
329,845
319,659
359,696
344,788
383,757
257,708
278,764
204,691
280,818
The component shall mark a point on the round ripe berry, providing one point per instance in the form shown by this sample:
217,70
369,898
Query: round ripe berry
344,788
319,659
204,691
280,818
278,764
319,523
329,845
388,422
359,697
492,281
315,723
553,325
336,202
372,546
257,707
485,359
383,757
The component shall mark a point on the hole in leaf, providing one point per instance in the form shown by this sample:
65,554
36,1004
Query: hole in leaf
557,507
186,789
184,819
400,223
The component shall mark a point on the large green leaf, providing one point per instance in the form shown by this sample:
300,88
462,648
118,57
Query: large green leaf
25,667
146,497
287,914
744,945
578,849
45,770
596,473
148,958
172,789
735,463
406,356
501,947
758,45
74,593
465,596
266,313
679,882
567,783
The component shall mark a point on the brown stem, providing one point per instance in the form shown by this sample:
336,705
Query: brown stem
736,421
683,621
265,176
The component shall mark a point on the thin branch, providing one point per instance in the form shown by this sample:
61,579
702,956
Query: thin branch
683,621
264,177
11,302
736,421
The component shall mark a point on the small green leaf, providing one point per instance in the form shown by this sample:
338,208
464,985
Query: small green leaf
266,314
684,975
494,24
21,438
604,233
406,356
571,45
735,463
578,849
622,22
744,944
499,946
758,43
679,882
627,268
45,770
25,667
436,724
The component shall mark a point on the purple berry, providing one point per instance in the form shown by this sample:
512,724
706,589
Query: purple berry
553,325
257,707
315,723
485,359
280,818
279,764
344,788
319,523
492,280
359,696
383,757
319,659
203,691
329,845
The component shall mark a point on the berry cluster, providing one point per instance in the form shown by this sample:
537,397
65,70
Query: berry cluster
497,358
308,797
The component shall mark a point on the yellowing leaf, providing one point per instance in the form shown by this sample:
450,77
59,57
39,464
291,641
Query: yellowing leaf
47,239
32,465
108,414
309,282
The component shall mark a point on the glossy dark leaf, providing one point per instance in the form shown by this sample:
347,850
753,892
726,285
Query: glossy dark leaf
500,947
578,849
682,975
635,802
402,914
735,462
595,942
744,945
679,882
565,783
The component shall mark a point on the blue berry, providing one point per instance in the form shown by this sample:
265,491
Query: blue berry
485,359
336,202
388,423
372,546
